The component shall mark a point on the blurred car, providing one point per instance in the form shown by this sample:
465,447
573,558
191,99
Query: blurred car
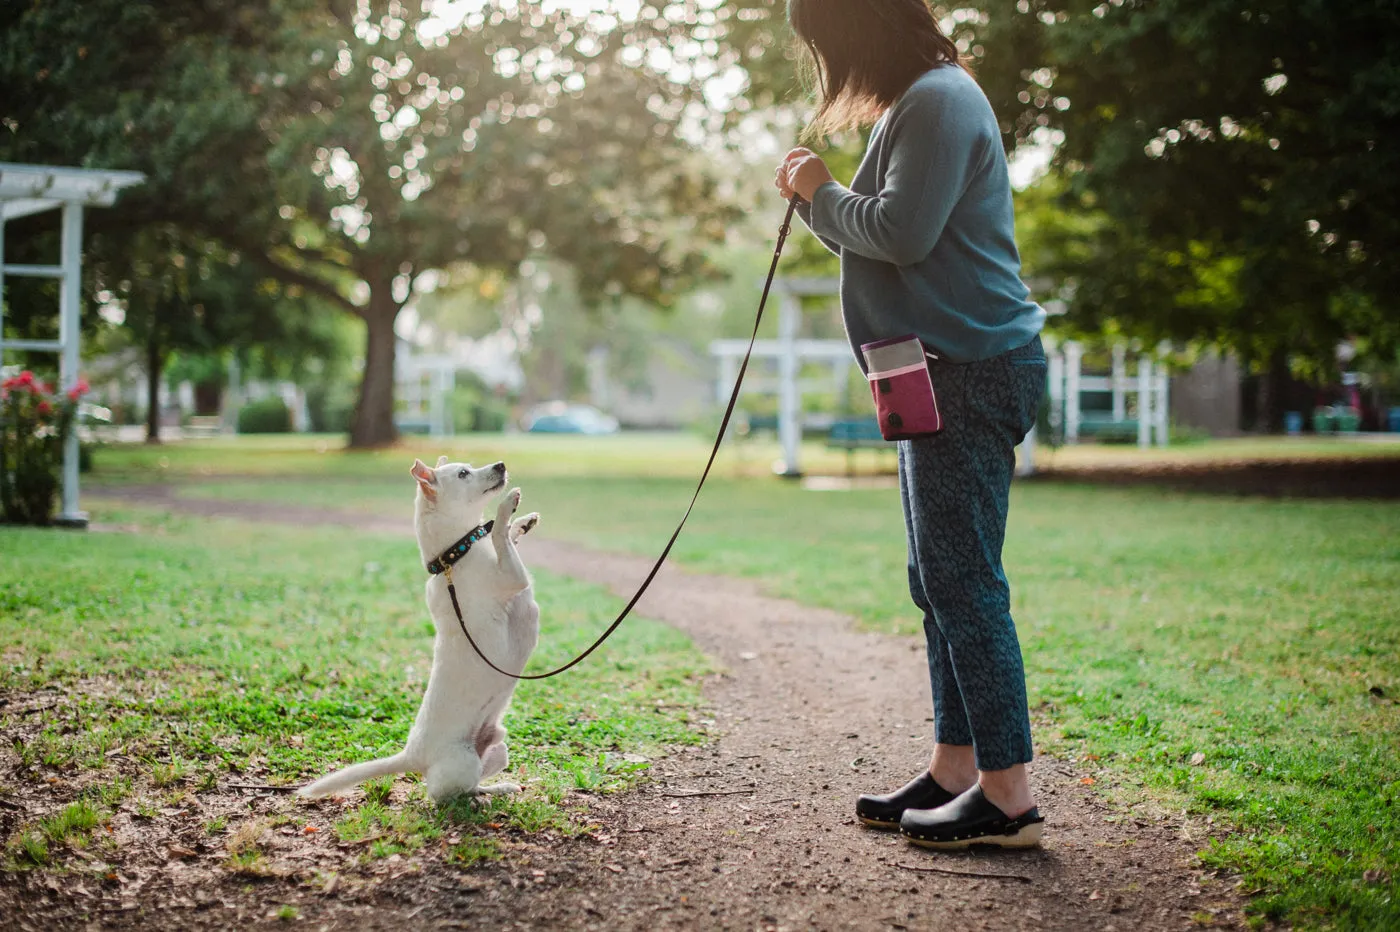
561,417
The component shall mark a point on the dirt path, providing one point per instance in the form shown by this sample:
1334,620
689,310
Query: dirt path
810,712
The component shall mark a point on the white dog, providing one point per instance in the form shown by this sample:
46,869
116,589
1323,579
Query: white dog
457,739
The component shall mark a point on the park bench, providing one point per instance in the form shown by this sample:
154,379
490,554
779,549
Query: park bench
1101,426
765,422
411,425
852,434
202,425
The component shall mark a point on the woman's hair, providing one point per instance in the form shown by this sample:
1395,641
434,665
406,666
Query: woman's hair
865,54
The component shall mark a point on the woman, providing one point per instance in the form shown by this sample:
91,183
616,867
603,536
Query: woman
925,237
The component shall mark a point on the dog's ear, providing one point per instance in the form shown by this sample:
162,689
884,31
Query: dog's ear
442,461
427,479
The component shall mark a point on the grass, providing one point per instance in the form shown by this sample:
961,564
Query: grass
72,826
1157,626
673,455
216,651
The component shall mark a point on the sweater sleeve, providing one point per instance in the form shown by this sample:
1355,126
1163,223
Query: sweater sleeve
804,211
936,145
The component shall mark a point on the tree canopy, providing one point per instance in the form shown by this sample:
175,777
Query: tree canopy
1222,173
1230,159
346,148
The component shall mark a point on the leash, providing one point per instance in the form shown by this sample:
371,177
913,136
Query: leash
783,232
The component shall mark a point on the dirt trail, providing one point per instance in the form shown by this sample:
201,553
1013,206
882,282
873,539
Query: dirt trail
810,712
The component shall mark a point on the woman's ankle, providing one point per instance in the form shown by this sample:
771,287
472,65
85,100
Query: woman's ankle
1008,790
953,767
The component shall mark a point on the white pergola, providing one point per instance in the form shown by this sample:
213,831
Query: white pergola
1068,385
32,189
791,352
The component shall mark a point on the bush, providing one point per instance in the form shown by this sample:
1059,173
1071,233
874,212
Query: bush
474,407
34,424
266,416
330,406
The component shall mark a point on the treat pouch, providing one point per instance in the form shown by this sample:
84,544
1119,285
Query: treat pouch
897,370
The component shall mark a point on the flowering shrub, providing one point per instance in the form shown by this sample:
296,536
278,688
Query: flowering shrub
34,423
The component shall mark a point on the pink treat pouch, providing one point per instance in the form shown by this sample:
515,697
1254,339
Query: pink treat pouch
899,380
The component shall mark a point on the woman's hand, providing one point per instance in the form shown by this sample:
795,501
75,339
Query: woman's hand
801,173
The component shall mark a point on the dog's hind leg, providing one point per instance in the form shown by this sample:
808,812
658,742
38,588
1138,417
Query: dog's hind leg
496,759
499,789
456,770
491,746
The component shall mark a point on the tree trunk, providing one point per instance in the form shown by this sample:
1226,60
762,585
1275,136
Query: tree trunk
155,361
1272,387
373,424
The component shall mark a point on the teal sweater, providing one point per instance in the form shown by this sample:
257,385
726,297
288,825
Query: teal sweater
925,233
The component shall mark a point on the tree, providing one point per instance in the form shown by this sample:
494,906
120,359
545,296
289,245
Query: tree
194,298
157,86
1235,155
346,148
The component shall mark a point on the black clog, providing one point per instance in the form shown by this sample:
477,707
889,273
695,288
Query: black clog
922,792
970,820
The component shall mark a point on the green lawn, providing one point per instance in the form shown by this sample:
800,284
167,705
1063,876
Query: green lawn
202,652
1237,658
676,455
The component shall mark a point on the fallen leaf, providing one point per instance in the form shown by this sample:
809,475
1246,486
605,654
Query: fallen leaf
310,830
493,825
1375,876
615,868
1198,759
180,851
1087,781
536,873
1095,895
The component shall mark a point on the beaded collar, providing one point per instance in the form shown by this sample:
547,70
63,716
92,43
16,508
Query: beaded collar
460,549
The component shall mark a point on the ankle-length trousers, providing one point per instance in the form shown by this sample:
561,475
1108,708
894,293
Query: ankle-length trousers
955,487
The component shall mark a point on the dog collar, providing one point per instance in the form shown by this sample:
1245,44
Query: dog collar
460,549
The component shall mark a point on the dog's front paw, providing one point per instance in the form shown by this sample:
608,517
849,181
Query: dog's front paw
523,526
508,506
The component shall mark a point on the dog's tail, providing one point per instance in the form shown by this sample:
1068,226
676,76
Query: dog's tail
356,773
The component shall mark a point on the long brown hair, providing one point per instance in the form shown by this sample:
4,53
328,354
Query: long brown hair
865,54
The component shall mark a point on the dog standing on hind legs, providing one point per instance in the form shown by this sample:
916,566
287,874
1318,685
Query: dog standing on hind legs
457,739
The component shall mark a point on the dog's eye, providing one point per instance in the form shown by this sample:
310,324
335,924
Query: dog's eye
463,474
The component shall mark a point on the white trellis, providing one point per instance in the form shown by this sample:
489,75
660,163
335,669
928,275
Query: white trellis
1068,385
33,189
425,383
790,352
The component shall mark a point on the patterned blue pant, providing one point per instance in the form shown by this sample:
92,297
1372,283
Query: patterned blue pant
955,486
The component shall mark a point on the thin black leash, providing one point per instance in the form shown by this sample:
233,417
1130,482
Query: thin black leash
783,232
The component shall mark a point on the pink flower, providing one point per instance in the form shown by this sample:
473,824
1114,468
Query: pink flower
26,378
44,408
79,388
